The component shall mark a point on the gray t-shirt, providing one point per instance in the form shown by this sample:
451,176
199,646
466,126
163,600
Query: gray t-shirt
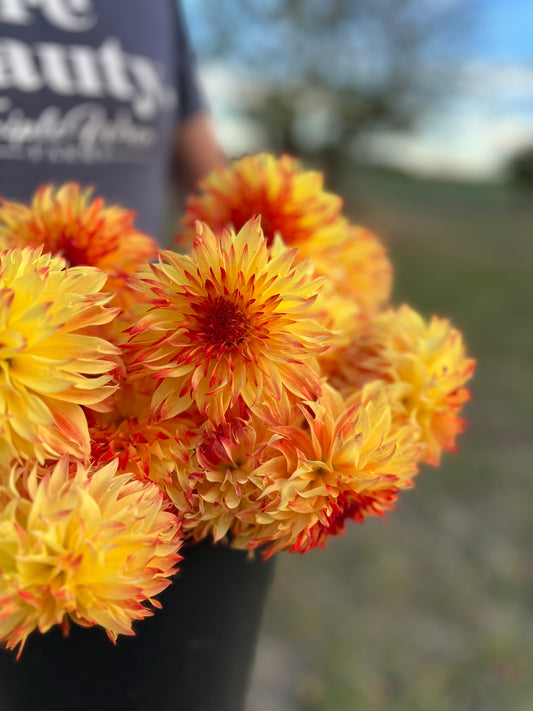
91,91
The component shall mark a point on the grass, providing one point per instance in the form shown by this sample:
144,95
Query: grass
432,609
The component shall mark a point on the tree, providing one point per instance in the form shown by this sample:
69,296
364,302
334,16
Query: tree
326,71
520,167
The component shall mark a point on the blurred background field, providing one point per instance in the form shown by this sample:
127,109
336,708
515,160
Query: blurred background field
431,609
423,123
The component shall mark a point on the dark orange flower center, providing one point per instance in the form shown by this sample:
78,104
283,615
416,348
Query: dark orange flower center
75,254
222,324
69,247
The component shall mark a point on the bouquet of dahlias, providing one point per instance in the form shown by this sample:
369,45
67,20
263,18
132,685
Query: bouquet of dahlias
259,390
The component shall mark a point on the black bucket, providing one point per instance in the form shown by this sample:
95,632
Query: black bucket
195,654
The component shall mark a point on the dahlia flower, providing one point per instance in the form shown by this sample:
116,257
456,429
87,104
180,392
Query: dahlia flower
342,315
147,449
49,366
67,222
357,266
430,362
290,201
81,545
214,487
348,464
229,323
293,203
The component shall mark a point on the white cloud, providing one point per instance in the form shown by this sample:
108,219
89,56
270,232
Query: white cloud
497,82
487,119
468,143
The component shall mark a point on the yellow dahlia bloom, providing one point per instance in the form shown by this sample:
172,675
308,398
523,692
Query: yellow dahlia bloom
229,323
357,265
348,464
342,315
290,201
49,366
85,545
66,221
430,362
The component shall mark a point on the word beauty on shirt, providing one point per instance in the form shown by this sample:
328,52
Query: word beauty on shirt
89,72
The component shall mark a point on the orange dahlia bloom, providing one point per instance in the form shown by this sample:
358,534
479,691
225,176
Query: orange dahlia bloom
229,323
147,449
214,488
290,201
67,222
348,464
49,366
81,545
427,359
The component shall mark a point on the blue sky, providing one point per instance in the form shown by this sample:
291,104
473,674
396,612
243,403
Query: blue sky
488,115
504,33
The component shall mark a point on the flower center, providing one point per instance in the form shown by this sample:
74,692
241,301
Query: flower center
222,324
73,252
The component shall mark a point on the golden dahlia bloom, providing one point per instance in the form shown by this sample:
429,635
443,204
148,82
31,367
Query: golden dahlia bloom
290,201
430,362
49,366
348,464
81,545
67,222
357,284
227,324
342,315
357,265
